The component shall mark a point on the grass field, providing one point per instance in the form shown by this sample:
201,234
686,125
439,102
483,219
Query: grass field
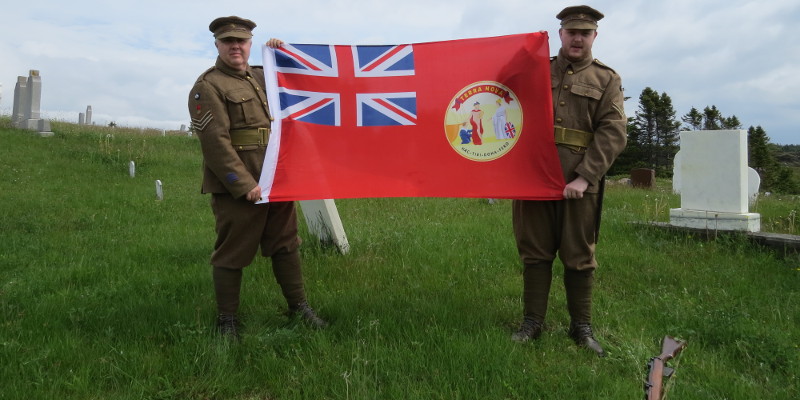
105,293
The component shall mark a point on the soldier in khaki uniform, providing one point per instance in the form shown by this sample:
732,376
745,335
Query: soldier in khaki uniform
590,131
229,113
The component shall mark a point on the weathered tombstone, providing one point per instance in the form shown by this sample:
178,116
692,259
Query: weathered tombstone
27,104
132,169
81,119
183,127
714,182
20,100
753,179
643,178
322,219
159,190
88,115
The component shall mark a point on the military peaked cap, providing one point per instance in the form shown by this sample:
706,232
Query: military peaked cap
225,27
579,17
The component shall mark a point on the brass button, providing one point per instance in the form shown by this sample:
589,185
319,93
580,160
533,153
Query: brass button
566,87
562,103
559,119
570,72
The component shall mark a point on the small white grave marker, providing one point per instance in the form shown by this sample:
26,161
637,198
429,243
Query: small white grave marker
322,219
132,169
159,190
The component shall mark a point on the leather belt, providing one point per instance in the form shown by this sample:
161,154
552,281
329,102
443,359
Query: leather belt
573,137
250,137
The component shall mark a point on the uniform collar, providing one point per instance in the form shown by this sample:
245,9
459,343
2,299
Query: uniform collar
563,62
230,71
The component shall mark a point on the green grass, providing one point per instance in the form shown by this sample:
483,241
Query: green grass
105,293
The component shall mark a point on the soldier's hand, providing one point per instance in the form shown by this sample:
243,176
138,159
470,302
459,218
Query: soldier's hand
575,189
274,43
254,195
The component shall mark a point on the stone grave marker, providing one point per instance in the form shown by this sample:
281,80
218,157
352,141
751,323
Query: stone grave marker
322,219
81,119
159,190
643,178
27,104
88,115
713,179
753,179
132,169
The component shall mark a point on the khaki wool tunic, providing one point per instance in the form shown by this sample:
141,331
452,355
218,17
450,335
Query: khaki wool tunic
587,96
224,99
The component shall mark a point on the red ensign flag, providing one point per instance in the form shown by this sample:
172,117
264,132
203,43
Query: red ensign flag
461,118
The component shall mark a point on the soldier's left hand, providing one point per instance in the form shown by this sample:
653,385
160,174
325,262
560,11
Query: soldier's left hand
575,189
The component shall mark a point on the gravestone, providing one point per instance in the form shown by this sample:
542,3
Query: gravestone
88,115
20,100
183,127
322,219
713,179
27,104
753,179
132,169
159,190
81,119
643,178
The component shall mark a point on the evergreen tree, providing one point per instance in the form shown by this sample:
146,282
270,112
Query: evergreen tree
693,120
655,131
730,123
712,119
775,177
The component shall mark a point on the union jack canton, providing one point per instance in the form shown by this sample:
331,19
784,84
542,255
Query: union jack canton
333,87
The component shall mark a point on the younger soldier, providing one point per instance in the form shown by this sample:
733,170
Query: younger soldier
590,131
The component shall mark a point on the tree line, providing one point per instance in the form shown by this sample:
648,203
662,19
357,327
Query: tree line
653,141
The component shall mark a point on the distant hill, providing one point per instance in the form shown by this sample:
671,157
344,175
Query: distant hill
788,154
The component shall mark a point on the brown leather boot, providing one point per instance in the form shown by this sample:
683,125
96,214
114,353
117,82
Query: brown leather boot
582,334
530,329
307,315
228,326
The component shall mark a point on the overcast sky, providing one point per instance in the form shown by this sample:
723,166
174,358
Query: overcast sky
135,61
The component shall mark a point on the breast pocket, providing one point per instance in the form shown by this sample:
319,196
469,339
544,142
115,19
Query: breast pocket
243,107
584,100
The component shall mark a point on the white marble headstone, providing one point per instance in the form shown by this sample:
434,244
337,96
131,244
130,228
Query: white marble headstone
713,181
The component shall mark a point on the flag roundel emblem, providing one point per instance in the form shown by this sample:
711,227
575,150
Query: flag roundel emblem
483,121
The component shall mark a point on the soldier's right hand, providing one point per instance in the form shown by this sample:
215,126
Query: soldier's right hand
274,43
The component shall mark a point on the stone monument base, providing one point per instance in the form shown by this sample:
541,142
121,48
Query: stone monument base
720,221
41,126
